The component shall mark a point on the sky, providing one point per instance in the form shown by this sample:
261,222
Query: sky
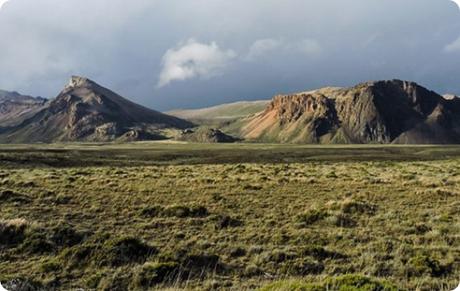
168,54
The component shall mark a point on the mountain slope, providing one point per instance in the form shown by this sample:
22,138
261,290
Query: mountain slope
86,111
222,113
374,112
15,108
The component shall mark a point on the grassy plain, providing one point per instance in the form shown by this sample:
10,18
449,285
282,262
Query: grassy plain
238,217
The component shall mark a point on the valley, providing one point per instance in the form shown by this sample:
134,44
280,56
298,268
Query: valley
165,215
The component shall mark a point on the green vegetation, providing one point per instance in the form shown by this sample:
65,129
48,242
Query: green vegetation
240,217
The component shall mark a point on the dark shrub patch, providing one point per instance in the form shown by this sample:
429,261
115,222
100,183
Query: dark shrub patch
422,265
227,221
64,235
201,262
279,256
181,211
36,242
358,207
125,250
237,252
151,274
152,211
311,216
11,196
12,232
77,256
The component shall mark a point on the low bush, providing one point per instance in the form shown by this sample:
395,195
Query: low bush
420,265
12,231
151,274
124,250
311,217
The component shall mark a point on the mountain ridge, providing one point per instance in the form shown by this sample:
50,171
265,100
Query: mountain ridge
15,107
391,111
86,111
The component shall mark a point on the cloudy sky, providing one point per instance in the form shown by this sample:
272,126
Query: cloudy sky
190,53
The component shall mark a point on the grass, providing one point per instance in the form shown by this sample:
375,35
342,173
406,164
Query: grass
238,217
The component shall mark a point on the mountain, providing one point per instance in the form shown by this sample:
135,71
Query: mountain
86,111
15,108
379,112
221,113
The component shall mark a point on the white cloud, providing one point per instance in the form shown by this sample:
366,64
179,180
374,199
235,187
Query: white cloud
2,2
264,47
457,2
194,60
453,47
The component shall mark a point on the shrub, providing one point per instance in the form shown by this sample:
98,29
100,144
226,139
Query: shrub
12,231
152,211
124,250
181,211
151,274
423,265
36,242
358,207
226,221
320,253
77,256
200,262
65,235
11,196
312,216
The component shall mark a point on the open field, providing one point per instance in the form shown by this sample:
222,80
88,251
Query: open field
241,217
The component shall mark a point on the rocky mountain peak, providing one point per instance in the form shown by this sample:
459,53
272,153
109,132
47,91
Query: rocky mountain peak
78,81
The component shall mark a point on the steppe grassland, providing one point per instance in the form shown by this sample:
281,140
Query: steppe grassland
236,226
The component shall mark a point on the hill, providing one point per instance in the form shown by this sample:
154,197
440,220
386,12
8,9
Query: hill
374,112
86,111
221,113
205,135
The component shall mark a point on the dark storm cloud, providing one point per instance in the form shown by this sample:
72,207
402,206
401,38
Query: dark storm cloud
182,53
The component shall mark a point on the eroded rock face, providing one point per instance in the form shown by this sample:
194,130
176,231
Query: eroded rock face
86,111
374,112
